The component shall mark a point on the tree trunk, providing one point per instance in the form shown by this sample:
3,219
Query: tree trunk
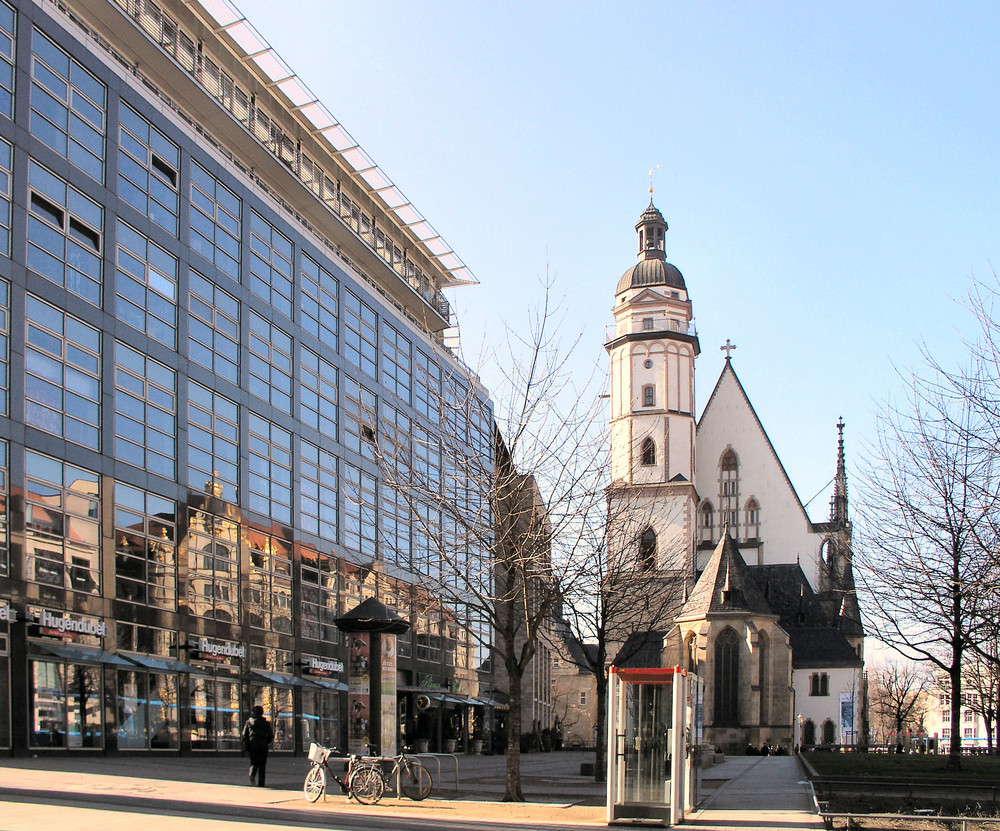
601,723
955,747
512,783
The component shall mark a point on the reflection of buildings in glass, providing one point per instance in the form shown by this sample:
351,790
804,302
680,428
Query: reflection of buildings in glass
250,254
62,528
213,566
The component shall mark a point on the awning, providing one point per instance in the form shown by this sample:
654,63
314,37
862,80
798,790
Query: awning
165,664
327,684
90,654
283,678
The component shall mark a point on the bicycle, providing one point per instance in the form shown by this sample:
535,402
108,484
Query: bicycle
362,781
408,777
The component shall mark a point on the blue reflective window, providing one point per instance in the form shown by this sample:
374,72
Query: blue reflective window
318,393
68,106
148,165
270,363
213,442
215,221
213,328
145,412
319,301
270,479
62,385
8,22
318,491
270,264
146,286
64,234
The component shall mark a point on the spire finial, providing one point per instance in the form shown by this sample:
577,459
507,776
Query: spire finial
838,502
727,347
651,183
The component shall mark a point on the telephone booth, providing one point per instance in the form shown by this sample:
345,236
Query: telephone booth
654,731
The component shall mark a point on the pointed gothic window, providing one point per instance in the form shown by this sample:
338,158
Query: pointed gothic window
727,678
765,680
647,550
648,395
729,491
829,732
691,653
707,523
751,519
648,452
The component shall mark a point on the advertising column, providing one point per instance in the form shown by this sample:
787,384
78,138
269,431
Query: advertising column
359,693
387,708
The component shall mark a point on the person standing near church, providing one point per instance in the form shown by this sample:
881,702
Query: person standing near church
257,737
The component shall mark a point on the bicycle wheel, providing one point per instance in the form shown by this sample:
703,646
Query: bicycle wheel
415,781
315,784
366,785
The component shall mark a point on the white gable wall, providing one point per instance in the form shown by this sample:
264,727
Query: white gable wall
785,530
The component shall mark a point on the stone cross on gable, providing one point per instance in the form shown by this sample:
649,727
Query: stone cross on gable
728,348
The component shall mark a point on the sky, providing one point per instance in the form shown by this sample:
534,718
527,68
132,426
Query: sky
829,173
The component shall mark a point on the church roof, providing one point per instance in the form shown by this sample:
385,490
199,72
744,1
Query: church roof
651,272
725,587
652,268
641,649
821,647
817,632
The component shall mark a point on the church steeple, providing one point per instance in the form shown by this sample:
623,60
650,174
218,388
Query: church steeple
652,228
838,502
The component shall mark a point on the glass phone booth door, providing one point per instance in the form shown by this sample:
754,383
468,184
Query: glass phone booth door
650,720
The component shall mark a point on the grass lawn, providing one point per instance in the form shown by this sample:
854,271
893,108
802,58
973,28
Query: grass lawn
916,767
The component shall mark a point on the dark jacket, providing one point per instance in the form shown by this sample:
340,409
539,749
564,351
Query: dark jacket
257,734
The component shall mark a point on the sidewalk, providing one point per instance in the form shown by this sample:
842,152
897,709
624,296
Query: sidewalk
742,792
557,794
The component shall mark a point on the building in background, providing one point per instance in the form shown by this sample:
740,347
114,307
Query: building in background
216,311
766,610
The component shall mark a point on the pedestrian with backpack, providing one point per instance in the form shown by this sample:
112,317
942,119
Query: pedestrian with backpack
257,737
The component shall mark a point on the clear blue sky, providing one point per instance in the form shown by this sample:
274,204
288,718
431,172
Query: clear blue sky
829,172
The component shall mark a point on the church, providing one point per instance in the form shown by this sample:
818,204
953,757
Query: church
764,608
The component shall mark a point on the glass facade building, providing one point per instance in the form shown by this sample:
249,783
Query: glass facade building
216,314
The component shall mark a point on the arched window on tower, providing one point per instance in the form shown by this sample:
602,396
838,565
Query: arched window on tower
647,550
649,396
751,519
727,678
729,491
648,452
706,522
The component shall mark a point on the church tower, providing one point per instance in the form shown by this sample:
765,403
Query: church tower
652,499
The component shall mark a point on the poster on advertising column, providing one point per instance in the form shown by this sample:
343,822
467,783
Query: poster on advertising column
388,710
359,693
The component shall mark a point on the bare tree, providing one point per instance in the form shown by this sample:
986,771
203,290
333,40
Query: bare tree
622,605
982,680
898,696
926,513
499,527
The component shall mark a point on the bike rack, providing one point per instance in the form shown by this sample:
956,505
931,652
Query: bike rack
437,760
